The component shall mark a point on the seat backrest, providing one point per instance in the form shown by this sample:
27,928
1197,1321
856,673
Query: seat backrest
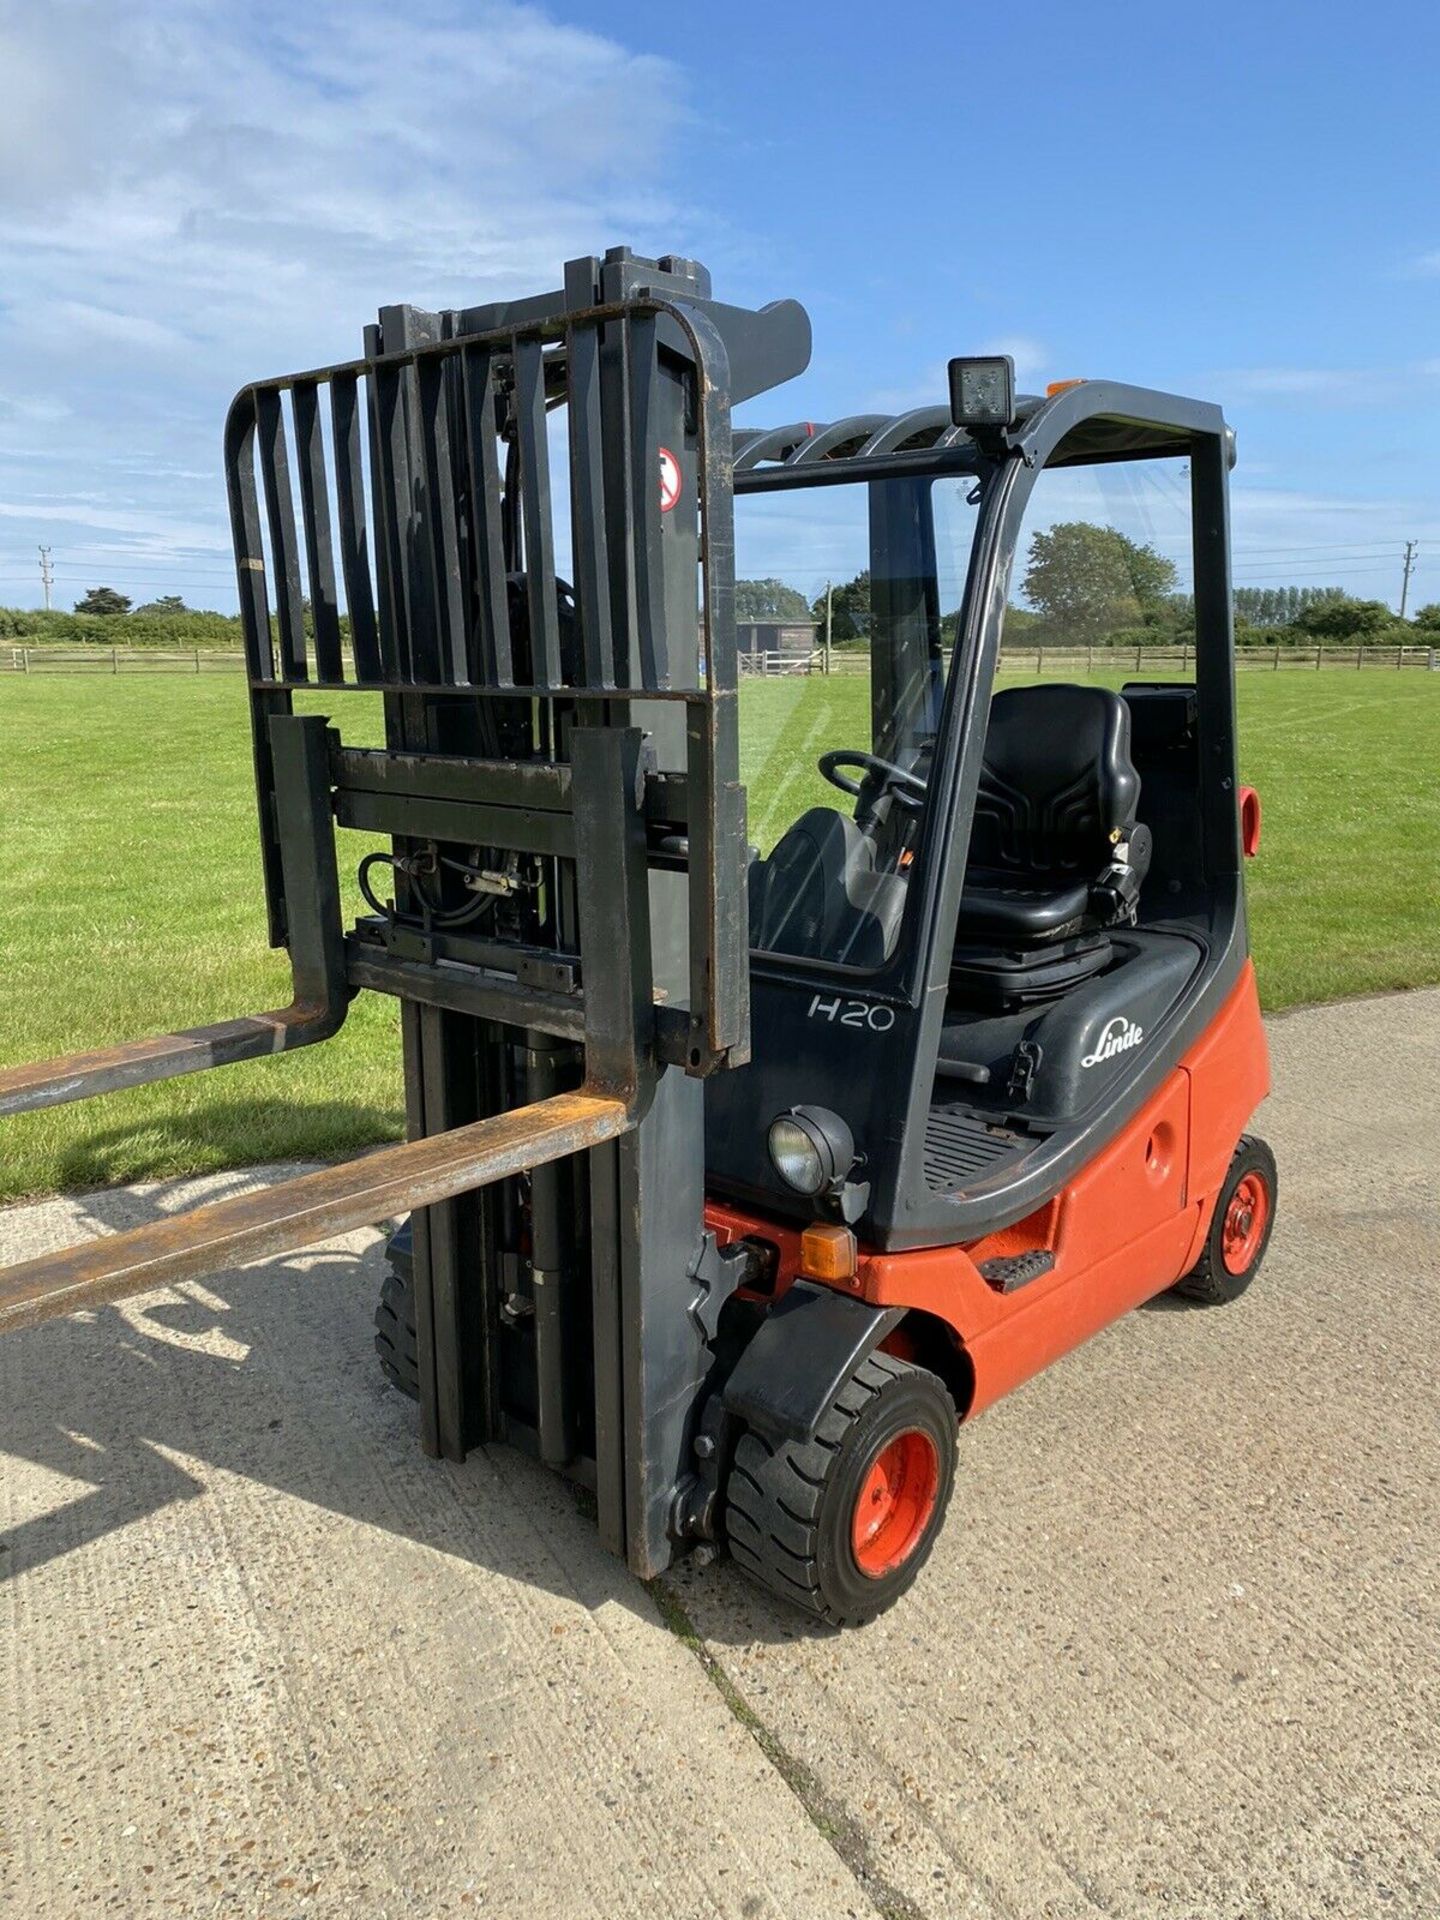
1058,787
819,894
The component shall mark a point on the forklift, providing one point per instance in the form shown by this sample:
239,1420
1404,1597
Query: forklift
734,1182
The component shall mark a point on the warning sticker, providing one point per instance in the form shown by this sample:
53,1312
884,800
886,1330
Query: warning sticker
669,480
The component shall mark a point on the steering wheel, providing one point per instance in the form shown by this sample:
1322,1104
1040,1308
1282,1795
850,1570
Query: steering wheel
909,789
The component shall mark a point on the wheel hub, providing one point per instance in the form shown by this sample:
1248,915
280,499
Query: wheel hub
1244,1228
895,1502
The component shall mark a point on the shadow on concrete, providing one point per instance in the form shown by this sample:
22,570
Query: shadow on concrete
270,1372
267,1372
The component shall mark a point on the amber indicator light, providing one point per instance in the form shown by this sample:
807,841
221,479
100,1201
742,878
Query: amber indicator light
828,1252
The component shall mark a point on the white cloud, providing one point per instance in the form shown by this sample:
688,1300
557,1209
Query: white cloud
198,192
104,325
1426,266
1324,386
929,388
153,532
33,409
1327,382
1030,356
931,385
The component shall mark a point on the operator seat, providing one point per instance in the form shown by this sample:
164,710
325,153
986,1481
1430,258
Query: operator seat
821,895
1057,855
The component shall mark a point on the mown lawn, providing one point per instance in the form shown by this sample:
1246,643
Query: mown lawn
133,905
132,900
1345,897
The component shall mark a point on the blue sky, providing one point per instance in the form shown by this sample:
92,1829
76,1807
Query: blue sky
1236,201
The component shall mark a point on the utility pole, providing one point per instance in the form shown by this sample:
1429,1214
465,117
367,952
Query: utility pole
1405,579
829,597
47,574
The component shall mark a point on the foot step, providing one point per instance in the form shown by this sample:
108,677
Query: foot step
1014,1270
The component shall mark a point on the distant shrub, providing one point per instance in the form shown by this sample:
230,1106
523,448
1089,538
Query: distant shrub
180,632
1346,619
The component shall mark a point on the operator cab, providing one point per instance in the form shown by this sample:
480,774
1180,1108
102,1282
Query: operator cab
986,907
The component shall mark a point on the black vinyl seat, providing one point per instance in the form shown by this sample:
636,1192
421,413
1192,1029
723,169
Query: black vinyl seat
994,911
1057,853
821,895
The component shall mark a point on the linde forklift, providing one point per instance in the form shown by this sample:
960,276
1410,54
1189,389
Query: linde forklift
736,1182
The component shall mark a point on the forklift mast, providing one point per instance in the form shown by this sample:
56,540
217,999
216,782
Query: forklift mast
514,523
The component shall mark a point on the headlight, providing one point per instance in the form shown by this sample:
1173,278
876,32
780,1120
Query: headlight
811,1149
795,1155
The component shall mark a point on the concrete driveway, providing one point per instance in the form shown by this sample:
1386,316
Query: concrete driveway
1178,1652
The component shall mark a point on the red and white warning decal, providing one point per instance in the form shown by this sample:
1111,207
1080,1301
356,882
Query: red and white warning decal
669,480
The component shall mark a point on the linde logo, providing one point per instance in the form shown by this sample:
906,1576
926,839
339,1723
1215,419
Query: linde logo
1116,1036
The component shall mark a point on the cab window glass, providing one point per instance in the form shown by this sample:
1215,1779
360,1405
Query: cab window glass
1103,587
847,603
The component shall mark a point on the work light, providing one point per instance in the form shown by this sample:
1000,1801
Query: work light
982,391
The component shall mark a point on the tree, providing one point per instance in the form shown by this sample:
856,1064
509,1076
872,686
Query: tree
1279,606
769,600
103,600
1086,580
1428,618
849,610
1344,619
167,603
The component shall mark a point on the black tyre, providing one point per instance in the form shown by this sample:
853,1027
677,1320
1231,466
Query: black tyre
841,1525
1240,1231
395,1317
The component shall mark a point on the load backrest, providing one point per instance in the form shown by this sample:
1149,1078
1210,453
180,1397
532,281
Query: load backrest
515,523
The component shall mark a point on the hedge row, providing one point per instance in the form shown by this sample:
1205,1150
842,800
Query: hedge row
182,632
179,632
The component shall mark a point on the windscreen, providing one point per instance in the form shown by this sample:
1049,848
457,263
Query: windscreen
1103,584
847,605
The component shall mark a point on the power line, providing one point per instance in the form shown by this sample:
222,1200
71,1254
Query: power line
1260,574
1314,556
1256,544
191,568
131,561
1329,546
169,569
1348,548
1307,556
158,588
86,579
1325,578
1319,566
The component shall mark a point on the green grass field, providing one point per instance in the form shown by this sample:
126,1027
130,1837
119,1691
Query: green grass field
132,901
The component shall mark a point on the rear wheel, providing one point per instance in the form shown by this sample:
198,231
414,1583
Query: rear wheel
840,1525
1240,1230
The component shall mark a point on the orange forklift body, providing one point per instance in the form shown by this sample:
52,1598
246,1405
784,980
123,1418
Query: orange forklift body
1127,1227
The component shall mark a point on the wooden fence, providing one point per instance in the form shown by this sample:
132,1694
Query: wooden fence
1142,659
1014,659
113,660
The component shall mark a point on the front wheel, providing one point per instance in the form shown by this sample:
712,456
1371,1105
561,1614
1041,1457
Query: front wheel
840,1525
395,1340
1240,1229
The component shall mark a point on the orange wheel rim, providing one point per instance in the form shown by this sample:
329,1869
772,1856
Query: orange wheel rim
896,1500
1244,1227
